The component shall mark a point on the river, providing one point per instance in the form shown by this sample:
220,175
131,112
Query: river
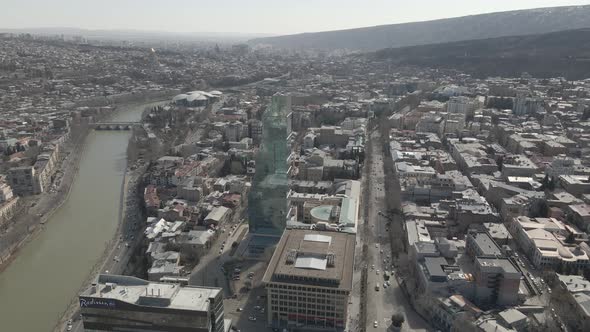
38,285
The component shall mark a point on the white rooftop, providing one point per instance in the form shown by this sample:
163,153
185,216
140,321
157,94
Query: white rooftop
311,263
317,238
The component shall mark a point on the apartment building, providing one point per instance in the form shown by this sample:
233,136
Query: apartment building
23,180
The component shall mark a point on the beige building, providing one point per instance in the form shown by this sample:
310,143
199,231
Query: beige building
309,279
543,239
5,192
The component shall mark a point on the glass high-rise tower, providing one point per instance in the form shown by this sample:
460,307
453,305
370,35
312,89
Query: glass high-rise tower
267,203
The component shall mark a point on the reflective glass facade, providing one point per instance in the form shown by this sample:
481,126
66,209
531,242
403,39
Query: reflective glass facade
267,206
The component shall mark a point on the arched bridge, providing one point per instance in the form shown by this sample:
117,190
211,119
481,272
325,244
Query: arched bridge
114,125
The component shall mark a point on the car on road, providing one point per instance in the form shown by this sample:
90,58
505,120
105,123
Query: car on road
376,245
252,318
375,324
240,309
377,272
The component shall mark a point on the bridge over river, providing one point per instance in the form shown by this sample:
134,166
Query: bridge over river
114,125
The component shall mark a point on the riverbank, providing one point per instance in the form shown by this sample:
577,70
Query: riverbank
112,260
70,245
37,210
109,261
29,223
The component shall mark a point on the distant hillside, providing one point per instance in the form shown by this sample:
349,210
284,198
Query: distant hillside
513,23
563,53
138,35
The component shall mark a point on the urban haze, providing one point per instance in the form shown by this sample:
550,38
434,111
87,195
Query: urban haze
192,166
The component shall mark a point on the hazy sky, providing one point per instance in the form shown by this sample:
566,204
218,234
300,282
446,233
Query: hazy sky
248,16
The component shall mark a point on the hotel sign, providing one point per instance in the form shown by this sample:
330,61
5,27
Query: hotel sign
97,303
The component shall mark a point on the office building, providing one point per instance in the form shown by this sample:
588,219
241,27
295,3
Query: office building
122,303
497,281
267,207
309,279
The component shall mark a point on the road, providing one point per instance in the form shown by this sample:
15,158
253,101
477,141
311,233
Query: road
383,303
208,272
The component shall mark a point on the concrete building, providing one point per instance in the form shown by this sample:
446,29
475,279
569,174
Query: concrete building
580,215
576,185
447,310
472,158
122,303
496,281
217,216
430,123
481,244
573,306
6,193
23,180
518,165
460,104
542,239
527,105
337,211
309,279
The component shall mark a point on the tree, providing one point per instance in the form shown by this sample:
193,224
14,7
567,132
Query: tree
397,320
548,183
543,209
551,184
571,238
540,209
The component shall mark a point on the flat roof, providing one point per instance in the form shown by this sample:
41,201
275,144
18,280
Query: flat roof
150,294
502,263
318,258
486,244
434,266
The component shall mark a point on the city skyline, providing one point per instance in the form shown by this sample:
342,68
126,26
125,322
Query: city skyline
231,17
420,176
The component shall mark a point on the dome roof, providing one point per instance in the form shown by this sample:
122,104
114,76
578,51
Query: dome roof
181,96
195,96
321,212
